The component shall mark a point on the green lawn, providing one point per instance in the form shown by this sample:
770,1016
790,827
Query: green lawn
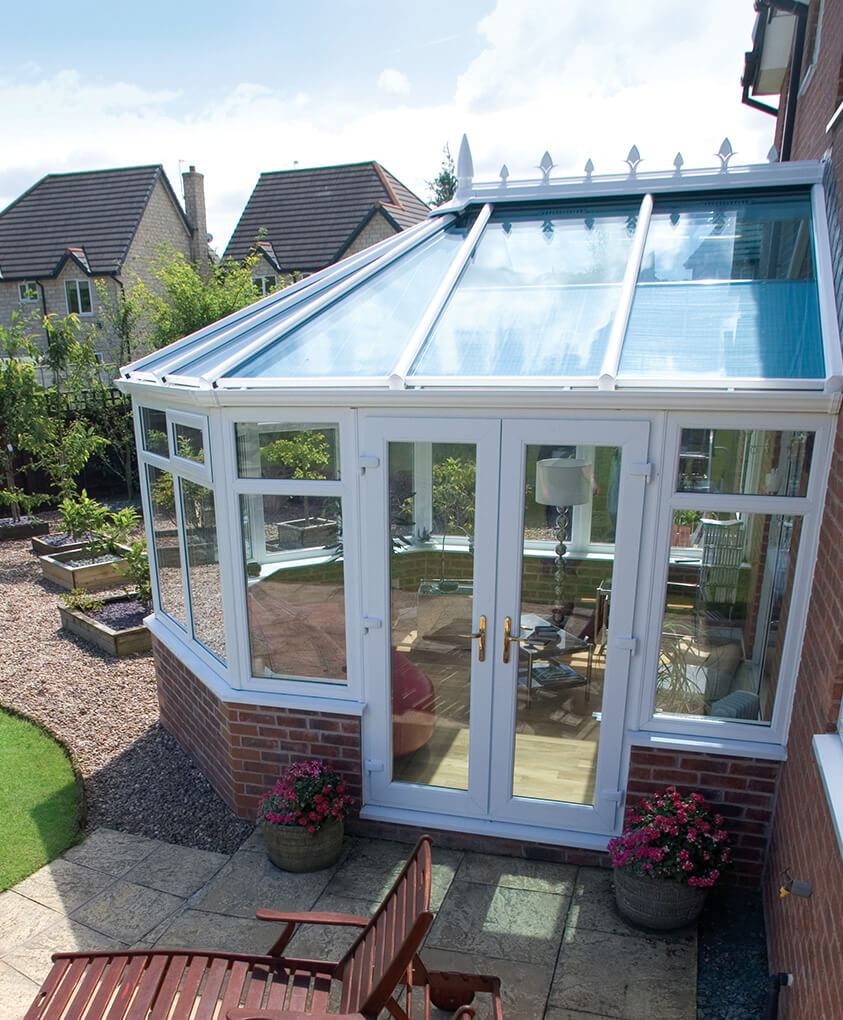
38,798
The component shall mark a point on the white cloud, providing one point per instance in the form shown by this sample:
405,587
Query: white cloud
394,82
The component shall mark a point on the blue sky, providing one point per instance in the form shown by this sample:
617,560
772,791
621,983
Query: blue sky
237,89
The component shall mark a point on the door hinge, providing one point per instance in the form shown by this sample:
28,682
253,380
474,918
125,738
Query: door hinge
615,796
644,468
373,765
371,623
367,461
626,644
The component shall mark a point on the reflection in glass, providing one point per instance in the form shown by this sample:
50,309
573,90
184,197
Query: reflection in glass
190,442
154,431
537,298
203,569
293,566
431,502
757,462
726,288
162,505
726,608
284,450
561,667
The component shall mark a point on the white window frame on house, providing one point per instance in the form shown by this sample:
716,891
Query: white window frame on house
28,292
196,471
828,749
75,286
265,284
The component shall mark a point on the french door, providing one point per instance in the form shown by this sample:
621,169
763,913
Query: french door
499,595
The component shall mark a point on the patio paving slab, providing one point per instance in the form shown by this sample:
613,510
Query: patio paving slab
33,958
126,911
178,870
194,929
20,919
112,852
16,992
63,885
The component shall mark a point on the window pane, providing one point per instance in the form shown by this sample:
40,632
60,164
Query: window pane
166,544
755,462
154,429
537,298
726,609
726,288
203,570
190,442
283,450
28,291
72,297
84,297
292,555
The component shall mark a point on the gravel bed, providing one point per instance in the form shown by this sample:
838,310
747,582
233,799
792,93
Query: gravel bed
105,710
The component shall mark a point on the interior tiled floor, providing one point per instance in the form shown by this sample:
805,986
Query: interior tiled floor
549,931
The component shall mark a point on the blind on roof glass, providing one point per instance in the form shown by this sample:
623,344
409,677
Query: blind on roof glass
727,288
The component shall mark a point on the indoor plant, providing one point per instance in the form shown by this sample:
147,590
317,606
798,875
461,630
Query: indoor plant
672,850
302,817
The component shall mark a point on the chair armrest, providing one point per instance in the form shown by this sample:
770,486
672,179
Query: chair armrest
245,1013
310,917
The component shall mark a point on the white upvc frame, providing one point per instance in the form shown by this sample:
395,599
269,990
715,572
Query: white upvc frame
196,471
27,292
77,286
731,734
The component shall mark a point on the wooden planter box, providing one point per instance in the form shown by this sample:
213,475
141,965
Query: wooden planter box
307,534
115,642
42,548
61,568
25,528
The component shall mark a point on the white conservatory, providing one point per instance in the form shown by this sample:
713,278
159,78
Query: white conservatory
510,515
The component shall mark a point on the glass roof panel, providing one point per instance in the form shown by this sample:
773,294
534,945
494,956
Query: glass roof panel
363,332
537,298
727,288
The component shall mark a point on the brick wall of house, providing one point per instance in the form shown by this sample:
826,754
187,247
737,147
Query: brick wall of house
377,229
805,936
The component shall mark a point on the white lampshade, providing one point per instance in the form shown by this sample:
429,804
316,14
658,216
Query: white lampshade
562,481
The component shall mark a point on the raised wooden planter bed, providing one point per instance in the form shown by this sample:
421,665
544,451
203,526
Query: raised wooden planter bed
43,548
65,569
24,528
115,642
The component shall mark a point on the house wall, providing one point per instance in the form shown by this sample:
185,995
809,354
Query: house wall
377,229
805,936
161,223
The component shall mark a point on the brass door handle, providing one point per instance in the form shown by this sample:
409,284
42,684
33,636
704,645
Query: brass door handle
480,634
508,639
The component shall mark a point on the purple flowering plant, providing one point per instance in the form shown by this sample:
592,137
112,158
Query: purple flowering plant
673,836
309,793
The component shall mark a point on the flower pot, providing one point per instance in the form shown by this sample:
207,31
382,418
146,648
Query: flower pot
658,903
293,848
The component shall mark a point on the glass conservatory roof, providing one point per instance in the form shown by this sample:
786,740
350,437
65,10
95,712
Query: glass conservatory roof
702,279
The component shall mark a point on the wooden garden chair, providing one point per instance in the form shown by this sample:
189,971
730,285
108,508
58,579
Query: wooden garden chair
179,984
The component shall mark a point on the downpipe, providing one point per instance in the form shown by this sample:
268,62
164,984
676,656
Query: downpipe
774,983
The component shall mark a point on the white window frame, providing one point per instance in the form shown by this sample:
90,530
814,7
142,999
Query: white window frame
195,471
828,749
28,292
262,283
77,284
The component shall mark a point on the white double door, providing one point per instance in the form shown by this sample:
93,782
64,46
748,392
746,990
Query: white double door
463,559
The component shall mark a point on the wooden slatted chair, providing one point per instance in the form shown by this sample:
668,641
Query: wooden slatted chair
178,984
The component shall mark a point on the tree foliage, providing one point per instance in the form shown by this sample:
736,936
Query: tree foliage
444,184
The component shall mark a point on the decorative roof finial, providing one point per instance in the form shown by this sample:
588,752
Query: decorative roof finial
504,174
633,159
546,165
724,154
589,168
678,162
465,166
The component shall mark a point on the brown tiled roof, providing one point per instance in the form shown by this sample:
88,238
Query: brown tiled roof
310,216
91,216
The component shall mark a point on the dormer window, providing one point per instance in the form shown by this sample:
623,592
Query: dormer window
28,291
78,297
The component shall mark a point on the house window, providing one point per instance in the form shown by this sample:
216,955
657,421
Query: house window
78,297
28,291
265,284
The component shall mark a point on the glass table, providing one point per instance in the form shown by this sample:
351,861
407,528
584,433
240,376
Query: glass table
544,658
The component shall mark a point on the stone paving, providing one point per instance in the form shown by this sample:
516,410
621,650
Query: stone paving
549,931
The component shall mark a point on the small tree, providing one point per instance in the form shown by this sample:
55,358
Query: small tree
444,184
305,453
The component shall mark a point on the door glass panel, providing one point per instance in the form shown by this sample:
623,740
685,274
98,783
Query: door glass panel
755,462
431,514
564,614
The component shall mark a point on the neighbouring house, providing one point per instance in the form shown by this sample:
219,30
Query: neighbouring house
514,515
300,221
72,233
795,66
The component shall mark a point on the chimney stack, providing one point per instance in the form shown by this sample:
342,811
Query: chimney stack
194,207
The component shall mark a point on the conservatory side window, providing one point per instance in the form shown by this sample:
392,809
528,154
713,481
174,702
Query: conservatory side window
730,575
290,504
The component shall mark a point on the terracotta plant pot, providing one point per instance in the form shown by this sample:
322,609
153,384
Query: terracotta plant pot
661,904
293,848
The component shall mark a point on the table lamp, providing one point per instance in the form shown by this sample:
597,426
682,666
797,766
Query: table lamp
562,482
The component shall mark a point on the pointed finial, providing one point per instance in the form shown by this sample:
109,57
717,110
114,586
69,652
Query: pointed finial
678,162
504,174
724,154
633,159
465,166
773,155
546,165
589,168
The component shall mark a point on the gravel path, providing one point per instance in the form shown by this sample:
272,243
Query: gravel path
105,711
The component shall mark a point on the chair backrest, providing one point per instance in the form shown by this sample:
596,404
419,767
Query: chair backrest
379,957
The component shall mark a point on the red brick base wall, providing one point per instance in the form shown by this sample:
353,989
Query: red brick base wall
743,790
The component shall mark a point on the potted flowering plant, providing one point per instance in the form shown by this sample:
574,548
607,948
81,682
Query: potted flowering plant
672,850
302,817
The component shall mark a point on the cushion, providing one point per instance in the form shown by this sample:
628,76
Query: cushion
737,705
